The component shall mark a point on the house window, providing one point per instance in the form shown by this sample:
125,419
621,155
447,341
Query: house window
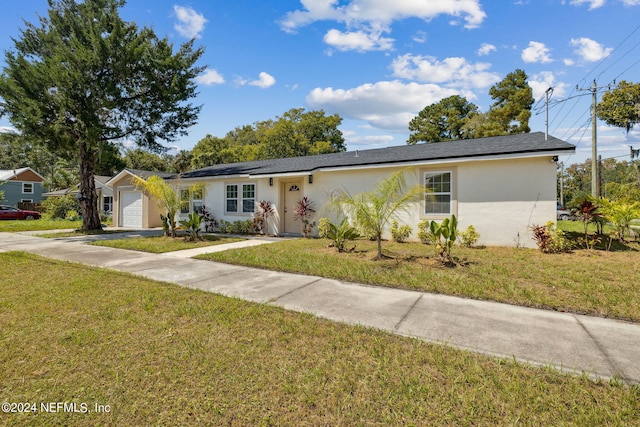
240,198
197,202
27,188
232,198
107,203
438,193
191,201
26,201
184,201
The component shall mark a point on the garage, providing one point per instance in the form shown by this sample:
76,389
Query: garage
131,209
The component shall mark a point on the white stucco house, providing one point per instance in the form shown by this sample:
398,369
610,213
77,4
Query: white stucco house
500,185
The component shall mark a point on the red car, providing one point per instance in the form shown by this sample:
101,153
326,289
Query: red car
9,212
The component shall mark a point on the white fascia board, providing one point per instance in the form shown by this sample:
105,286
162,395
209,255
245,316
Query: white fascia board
209,178
446,161
282,175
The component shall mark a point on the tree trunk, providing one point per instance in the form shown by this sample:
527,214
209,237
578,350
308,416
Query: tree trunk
88,197
379,239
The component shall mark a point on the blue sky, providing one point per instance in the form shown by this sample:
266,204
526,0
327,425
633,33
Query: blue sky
377,63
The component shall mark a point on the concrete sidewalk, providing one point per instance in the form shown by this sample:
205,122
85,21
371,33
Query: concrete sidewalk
573,343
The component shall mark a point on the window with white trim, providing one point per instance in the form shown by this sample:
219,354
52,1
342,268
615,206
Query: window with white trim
240,198
191,201
107,203
438,192
27,188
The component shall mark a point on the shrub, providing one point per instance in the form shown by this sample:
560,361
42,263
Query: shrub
303,212
236,227
400,234
192,226
261,216
549,239
342,233
210,222
57,207
323,227
469,237
443,236
72,215
424,232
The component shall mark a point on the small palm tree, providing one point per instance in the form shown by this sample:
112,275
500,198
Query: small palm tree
165,196
374,210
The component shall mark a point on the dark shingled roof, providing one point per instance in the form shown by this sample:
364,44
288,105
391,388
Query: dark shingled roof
146,174
528,143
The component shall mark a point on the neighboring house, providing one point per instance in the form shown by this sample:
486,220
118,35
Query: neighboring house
105,193
500,185
21,185
131,207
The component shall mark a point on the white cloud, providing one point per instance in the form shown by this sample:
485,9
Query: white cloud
8,129
593,4
190,23
386,104
536,52
357,40
486,49
368,141
421,36
210,77
265,80
454,71
568,62
590,50
542,81
376,16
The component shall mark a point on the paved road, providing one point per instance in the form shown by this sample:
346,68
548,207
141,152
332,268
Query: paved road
573,343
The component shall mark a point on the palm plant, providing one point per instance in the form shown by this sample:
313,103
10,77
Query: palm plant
375,209
165,196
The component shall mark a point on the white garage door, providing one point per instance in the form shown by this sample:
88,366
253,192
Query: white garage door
131,209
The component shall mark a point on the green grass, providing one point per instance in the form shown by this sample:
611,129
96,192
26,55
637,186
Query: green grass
38,224
78,233
591,282
161,244
159,354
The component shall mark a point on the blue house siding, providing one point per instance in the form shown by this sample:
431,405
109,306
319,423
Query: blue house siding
13,192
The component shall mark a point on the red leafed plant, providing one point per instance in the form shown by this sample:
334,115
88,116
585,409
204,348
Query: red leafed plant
303,212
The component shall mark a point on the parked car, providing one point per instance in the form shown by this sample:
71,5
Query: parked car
563,214
9,212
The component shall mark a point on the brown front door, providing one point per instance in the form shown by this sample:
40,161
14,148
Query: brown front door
292,193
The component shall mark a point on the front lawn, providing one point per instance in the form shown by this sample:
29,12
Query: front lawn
591,282
38,224
158,354
161,244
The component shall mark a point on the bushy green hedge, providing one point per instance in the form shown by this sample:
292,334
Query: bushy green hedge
58,207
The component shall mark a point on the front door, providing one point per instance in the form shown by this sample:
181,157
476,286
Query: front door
292,193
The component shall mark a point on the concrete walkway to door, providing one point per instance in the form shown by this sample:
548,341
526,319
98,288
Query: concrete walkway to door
571,342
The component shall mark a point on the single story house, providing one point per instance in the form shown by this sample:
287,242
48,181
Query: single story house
105,193
131,207
23,185
501,185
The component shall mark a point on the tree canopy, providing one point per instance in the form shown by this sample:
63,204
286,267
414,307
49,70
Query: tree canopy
82,79
621,106
295,133
456,118
443,121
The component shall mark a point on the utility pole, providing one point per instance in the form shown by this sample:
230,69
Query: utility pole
546,117
595,190
562,184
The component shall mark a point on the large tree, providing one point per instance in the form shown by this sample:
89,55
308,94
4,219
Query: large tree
442,121
621,106
456,118
511,110
82,79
